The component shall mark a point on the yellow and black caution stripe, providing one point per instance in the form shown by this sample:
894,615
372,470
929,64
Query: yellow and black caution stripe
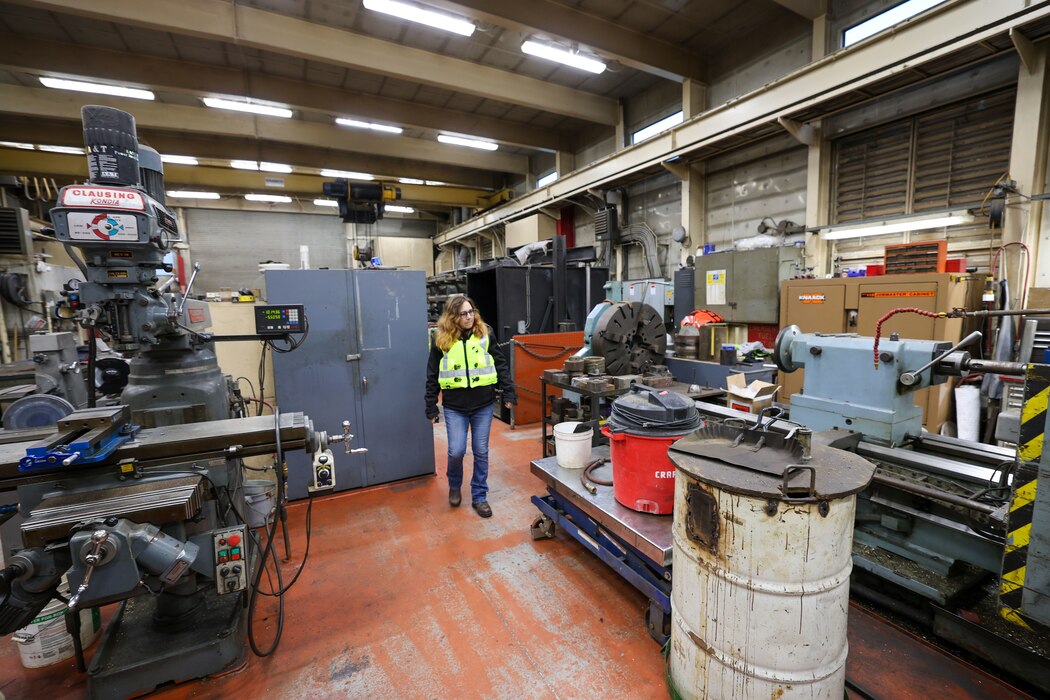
1022,504
1015,556
1033,413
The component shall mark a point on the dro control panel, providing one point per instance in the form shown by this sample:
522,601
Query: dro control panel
279,320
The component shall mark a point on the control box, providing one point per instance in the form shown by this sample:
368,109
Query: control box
279,320
231,559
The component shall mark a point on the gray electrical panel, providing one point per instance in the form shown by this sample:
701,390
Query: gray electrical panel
743,286
364,360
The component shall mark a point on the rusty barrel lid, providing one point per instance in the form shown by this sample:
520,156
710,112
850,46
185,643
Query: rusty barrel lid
795,465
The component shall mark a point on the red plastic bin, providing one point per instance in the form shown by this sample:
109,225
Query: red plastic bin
643,475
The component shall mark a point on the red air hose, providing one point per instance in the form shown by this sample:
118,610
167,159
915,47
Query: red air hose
894,312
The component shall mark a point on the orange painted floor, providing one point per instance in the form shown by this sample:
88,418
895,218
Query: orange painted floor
406,597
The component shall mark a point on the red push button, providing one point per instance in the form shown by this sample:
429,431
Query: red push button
235,540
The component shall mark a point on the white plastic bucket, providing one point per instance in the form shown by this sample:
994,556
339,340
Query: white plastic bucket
260,495
45,641
572,449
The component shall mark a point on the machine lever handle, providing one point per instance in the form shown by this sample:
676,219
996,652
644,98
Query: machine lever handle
98,538
186,294
912,378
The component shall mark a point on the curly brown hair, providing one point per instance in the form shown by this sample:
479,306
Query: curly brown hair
449,329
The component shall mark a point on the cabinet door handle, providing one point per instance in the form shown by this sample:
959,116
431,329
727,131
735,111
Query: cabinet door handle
364,384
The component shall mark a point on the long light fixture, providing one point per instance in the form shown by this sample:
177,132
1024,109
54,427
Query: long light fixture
179,160
414,13
398,209
27,146
470,143
348,174
274,167
416,181
358,124
70,150
244,164
897,224
250,107
274,198
191,194
97,88
564,56
325,203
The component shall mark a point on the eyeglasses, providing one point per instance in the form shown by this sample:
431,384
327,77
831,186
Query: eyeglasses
466,314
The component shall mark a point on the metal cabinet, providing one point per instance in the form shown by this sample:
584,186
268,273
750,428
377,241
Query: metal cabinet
364,360
742,286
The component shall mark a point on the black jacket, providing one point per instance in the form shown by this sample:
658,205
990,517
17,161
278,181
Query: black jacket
471,398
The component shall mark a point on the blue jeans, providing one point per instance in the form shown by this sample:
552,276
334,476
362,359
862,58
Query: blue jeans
456,423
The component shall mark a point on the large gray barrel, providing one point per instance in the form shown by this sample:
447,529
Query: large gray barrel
761,579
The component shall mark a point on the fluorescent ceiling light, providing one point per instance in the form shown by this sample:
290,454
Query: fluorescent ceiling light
897,225
407,180
357,124
97,88
348,174
71,150
436,183
325,203
547,179
190,194
247,107
472,143
275,198
654,129
29,146
414,13
179,160
560,55
274,167
244,164
887,19
398,209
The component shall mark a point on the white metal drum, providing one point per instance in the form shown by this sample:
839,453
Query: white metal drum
761,583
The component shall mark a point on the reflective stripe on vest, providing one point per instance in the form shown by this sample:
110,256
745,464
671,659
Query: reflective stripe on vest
467,364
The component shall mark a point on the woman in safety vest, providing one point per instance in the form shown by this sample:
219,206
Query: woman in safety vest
467,366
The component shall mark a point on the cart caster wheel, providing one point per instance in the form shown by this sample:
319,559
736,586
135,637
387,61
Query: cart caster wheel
658,623
542,528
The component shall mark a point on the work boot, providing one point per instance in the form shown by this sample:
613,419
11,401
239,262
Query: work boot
454,499
483,509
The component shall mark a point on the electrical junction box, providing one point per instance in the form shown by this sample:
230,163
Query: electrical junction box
743,286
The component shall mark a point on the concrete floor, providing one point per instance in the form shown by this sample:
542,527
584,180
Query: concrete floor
404,596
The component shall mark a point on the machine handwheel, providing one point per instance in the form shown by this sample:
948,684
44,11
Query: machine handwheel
542,528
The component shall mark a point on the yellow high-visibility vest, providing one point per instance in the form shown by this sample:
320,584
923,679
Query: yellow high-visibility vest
467,364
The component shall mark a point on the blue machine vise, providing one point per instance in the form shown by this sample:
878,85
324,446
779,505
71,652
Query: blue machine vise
88,436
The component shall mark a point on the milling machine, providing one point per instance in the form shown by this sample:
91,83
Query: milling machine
951,533
140,503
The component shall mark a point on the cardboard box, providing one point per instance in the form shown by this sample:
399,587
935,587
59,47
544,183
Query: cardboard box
752,397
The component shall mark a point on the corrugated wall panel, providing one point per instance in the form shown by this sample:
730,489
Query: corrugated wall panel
949,157
747,186
229,245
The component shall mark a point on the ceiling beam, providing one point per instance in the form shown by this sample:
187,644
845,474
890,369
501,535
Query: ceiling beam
556,20
74,168
810,9
56,104
811,89
248,26
55,57
70,133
